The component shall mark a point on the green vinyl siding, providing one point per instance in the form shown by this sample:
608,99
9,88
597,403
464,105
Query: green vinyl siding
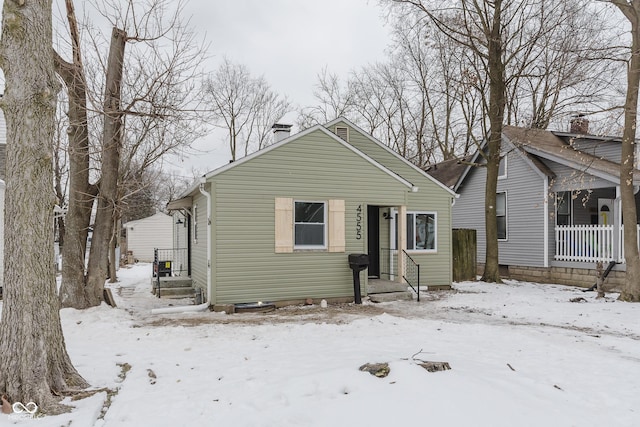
435,268
247,267
199,245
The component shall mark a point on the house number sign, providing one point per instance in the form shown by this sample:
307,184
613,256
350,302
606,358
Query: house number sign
359,222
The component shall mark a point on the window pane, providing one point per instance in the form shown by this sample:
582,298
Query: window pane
411,239
502,167
425,231
310,234
501,204
309,212
502,227
563,203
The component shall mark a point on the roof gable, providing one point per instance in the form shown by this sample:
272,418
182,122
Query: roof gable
537,144
318,128
388,152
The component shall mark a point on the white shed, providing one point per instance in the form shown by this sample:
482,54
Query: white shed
146,234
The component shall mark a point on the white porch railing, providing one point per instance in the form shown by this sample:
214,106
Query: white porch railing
584,243
621,240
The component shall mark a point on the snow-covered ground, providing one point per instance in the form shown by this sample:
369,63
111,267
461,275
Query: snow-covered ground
521,354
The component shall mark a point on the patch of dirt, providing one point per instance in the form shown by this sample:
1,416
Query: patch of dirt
333,314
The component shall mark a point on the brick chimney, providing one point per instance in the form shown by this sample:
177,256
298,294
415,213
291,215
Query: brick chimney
280,132
579,124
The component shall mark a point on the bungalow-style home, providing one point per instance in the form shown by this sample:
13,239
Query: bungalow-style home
145,235
279,225
558,204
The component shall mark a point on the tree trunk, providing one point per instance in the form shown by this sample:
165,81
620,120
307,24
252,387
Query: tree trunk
496,116
34,364
631,288
108,194
73,289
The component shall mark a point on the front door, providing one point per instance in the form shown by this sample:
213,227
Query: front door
373,238
606,211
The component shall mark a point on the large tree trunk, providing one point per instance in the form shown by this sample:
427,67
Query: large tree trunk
108,193
34,364
631,288
496,116
73,289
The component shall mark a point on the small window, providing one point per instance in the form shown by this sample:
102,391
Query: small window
310,225
342,132
502,167
195,224
563,208
421,231
501,215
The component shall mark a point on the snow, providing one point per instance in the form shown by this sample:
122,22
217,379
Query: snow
520,354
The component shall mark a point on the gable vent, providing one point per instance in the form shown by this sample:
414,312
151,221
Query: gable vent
342,132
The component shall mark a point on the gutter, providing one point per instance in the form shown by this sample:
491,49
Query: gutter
208,196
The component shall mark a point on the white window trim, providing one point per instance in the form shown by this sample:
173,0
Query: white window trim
435,232
325,226
506,215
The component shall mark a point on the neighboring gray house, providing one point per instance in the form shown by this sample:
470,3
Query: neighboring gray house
558,204
278,225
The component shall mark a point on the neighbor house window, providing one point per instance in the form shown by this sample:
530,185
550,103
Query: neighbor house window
563,207
502,167
421,231
501,215
310,225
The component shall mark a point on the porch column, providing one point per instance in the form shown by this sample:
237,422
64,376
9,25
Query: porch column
402,241
617,226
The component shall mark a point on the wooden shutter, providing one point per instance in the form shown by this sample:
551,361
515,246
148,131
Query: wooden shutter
336,226
284,225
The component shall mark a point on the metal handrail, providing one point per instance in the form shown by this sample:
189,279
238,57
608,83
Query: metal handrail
169,262
411,273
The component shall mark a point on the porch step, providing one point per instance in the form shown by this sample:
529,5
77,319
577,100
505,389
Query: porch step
379,286
391,296
177,292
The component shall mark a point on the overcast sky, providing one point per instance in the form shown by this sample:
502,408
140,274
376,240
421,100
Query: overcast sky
288,42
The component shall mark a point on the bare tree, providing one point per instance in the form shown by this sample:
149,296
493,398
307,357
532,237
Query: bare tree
34,364
242,105
334,100
631,288
152,88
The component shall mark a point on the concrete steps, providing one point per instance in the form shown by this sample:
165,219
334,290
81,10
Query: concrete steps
380,290
173,287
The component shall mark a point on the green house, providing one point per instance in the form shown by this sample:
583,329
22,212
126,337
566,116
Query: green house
278,225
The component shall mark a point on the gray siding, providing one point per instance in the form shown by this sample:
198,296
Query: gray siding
609,150
525,212
570,179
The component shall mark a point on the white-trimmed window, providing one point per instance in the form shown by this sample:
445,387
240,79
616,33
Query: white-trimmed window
422,231
310,225
302,225
563,208
501,215
502,167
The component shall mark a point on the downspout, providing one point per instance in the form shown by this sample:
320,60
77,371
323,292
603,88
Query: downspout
545,192
208,196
